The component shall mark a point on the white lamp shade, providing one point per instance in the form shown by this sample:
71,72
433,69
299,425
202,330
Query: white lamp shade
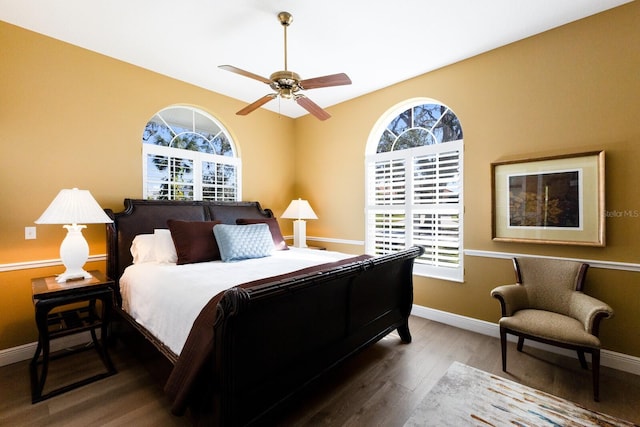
73,206
299,209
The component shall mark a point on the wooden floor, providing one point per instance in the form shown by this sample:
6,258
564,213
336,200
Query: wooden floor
380,386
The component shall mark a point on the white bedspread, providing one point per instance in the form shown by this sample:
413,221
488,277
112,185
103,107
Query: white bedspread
167,298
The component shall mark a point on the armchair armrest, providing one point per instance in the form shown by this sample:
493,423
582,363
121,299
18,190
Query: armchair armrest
512,298
589,311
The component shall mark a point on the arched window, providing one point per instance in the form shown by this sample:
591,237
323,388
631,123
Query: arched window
188,155
414,186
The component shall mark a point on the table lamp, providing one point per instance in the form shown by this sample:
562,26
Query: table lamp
74,207
299,210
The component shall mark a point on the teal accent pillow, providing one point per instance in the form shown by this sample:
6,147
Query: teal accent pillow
237,242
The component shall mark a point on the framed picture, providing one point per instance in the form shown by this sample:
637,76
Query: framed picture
552,200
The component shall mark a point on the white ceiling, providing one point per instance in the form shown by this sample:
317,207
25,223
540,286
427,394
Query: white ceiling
376,42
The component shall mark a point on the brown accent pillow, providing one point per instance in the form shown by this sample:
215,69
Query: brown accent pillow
274,228
194,241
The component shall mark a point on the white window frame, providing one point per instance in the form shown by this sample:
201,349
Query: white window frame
198,159
400,200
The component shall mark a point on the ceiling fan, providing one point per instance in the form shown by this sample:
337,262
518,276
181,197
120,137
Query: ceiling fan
288,84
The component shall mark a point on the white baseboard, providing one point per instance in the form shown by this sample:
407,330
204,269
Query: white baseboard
26,351
611,359
608,358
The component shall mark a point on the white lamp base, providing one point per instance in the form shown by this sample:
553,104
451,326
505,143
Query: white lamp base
300,233
74,252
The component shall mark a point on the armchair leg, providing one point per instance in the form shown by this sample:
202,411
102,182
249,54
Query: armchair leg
583,361
503,348
520,343
595,362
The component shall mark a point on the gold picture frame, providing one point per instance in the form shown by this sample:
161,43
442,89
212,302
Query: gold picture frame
550,200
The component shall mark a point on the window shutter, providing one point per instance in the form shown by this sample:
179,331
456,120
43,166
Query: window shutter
389,178
219,182
414,198
171,177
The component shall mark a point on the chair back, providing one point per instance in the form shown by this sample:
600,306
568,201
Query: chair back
550,282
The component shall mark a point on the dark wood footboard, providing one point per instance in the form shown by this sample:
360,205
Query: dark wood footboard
274,339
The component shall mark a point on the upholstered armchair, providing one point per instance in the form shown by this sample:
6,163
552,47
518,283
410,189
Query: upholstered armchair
547,305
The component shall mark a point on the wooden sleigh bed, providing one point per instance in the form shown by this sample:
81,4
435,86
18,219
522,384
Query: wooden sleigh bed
255,345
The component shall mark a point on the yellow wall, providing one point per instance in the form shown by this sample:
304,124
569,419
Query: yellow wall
574,88
74,118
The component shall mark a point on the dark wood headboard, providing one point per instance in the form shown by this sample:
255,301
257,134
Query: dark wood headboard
144,216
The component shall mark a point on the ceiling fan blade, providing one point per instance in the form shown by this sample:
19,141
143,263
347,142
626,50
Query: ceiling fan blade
245,73
257,104
312,107
326,81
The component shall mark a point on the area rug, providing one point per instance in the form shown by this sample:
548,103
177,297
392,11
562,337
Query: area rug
467,396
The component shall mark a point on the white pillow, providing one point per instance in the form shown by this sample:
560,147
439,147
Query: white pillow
165,250
142,248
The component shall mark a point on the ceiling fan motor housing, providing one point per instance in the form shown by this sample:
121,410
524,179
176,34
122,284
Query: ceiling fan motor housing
285,82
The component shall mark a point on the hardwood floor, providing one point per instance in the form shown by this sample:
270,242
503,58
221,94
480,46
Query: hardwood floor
380,386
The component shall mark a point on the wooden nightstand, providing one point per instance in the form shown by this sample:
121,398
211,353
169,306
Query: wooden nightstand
82,316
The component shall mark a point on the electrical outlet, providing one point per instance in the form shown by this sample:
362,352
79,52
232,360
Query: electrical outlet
29,233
